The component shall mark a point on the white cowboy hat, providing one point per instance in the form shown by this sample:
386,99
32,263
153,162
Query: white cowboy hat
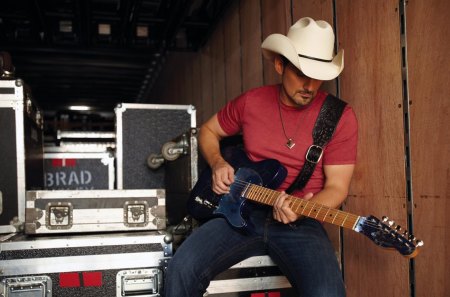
309,46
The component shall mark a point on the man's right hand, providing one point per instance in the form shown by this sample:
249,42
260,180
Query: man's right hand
222,176
209,143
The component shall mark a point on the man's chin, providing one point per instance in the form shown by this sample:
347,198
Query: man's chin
302,101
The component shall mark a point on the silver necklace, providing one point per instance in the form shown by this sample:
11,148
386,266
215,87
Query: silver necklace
290,143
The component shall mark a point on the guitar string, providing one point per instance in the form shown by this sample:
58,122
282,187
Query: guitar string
408,241
242,184
339,215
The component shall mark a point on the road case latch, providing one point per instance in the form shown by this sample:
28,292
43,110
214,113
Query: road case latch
59,215
139,282
135,213
33,286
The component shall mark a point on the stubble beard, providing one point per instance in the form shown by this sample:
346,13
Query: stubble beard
301,98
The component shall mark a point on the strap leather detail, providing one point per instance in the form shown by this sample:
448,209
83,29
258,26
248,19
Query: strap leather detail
329,116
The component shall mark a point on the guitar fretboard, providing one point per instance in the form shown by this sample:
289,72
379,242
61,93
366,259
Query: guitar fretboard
303,207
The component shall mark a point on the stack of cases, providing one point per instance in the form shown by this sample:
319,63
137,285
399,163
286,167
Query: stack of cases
129,264
21,126
100,257
69,237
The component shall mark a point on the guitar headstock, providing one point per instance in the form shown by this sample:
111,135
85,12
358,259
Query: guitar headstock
387,234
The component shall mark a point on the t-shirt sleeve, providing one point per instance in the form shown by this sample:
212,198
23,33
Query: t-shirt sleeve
231,115
342,148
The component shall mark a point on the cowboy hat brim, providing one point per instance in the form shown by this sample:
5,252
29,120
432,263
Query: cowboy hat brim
278,44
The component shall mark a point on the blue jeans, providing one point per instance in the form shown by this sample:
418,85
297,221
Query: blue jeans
301,250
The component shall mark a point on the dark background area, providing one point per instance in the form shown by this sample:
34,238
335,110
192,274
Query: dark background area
98,53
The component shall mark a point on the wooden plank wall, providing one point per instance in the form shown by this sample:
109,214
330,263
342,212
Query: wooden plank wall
428,47
372,83
276,19
369,31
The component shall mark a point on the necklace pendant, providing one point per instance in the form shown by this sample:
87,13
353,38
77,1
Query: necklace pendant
290,143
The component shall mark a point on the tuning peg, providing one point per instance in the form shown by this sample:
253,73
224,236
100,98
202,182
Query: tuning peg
405,233
398,228
419,242
384,219
391,223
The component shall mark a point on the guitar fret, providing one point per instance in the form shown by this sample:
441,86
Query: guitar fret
340,220
328,210
311,208
275,197
318,211
304,205
257,194
251,192
248,192
245,191
309,214
268,198
344,220
294,205
291,202
335,216
261,195
356,218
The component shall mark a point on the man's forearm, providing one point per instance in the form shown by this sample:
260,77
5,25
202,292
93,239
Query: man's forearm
337,184
209,144
330,197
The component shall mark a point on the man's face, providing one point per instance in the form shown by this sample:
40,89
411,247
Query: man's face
297,89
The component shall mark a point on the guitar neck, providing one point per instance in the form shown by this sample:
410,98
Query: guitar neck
303,207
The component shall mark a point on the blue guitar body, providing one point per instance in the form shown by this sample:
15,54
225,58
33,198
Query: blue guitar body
204,204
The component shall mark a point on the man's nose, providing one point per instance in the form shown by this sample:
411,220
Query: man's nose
309,84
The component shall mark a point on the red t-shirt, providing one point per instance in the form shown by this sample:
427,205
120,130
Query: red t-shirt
256,115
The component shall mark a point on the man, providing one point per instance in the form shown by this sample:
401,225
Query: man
276,122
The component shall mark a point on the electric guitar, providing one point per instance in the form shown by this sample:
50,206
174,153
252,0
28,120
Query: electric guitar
254,181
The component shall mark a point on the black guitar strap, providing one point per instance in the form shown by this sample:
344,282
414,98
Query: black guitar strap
326,123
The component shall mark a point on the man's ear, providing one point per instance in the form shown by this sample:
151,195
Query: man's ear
279,65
